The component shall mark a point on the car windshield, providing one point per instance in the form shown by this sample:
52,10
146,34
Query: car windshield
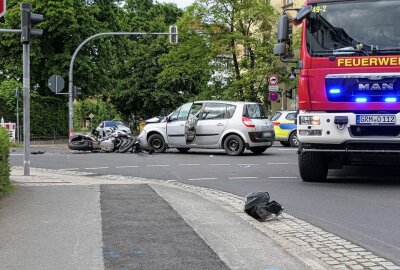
354,28
113,123
254,111
276,116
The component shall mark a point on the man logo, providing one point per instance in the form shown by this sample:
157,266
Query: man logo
376,86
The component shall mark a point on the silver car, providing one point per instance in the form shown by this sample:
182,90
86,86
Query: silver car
233,126
105,128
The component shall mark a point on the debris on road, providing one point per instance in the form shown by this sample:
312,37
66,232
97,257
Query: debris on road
258,206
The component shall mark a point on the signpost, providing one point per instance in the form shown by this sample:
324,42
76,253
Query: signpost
2,7
273,96
91,118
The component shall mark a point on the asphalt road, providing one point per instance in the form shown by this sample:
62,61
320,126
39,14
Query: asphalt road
359,204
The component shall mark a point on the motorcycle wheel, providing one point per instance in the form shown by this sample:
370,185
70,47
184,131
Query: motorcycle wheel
126,145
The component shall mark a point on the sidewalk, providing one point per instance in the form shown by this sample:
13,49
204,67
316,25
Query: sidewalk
73,221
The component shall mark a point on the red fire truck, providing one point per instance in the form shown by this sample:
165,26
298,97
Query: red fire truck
349,83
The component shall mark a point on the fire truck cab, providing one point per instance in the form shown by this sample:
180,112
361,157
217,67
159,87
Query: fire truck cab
349,83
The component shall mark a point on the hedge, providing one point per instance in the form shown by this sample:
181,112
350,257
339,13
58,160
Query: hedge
5,184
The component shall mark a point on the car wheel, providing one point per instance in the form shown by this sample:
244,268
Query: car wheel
234,145
286,144
183,150
259,149
157,143
294,140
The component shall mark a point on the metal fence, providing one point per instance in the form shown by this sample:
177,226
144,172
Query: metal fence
47,139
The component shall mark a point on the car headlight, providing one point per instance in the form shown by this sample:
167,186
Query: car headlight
310,120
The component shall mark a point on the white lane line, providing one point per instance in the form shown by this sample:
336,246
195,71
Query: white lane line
197,179
188,164
278,163
98,168
283,177
243,177
289,149
248,164
219,164
121,167
157,165
16,154
69,169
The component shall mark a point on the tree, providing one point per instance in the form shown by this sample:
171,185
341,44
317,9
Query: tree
240,34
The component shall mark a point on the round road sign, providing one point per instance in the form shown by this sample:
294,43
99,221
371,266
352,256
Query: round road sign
2,7
273,96
273,80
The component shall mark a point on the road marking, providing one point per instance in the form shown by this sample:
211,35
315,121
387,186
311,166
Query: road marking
188,164
288,149
219,164
197,179
121,167
157,165
248,164
279,163
283,177
69,169
243,177
98,168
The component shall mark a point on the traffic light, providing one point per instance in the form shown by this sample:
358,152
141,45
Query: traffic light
173,38
76,91
289,93
27,20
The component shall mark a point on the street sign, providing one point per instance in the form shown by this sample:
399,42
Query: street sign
273,96
273,88
56,83
273,80
2,7
91,116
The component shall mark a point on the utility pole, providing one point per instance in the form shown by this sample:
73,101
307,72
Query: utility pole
18,127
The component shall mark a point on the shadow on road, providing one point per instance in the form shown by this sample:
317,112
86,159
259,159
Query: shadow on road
374,175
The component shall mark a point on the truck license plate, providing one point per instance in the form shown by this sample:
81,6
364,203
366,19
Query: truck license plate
384,119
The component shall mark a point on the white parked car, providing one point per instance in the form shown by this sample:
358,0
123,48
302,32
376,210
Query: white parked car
105,128
233,126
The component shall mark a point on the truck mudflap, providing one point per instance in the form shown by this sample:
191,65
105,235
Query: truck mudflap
364,146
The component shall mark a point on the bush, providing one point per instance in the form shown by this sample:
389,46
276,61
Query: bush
5,184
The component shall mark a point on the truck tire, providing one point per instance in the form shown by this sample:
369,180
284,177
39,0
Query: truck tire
313,166
157,143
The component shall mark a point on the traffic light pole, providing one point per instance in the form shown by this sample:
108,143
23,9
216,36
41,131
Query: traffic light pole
27,110
71,66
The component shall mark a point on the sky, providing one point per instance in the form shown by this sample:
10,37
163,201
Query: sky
179,3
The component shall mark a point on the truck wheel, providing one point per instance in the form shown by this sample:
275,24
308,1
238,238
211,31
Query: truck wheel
157,143
313,166
234,145
293,139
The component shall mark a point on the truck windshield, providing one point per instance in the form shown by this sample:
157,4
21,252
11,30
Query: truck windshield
354,28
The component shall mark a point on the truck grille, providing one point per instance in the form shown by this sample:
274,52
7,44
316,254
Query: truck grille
376,131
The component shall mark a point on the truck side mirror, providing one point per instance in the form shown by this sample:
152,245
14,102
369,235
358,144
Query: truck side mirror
280,49
283,28
303,13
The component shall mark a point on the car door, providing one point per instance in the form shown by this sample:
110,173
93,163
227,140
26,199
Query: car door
211,123
176,125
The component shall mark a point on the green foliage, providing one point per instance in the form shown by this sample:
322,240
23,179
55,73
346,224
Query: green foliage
5,184
102,111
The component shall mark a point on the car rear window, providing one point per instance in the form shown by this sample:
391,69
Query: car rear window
254,111
276,116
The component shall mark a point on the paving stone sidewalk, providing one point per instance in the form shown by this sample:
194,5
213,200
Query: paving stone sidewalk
312,246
